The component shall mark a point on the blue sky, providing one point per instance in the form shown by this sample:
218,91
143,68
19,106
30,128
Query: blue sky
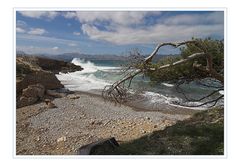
112,32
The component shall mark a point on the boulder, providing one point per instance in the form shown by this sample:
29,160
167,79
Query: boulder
24,101
50,104
47,79
57,66
35,91
54,93
31,95
101,145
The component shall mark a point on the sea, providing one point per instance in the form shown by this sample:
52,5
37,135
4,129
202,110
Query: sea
97,74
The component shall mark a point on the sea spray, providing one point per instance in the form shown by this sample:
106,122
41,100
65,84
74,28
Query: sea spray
96,75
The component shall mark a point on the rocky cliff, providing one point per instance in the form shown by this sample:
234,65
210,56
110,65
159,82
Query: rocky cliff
37,70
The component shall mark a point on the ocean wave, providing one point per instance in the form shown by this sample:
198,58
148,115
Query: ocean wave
159,99
79,82
90,67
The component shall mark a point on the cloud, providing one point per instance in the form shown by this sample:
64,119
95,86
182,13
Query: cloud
20,30
153,34
37,31
55,48
37,49
114,18
21,26
21,23
193,19
39,14
27,37
77,33
69,14
173,28
72,44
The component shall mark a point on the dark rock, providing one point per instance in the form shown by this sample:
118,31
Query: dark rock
55,93
89,149
50,104
47,79
57,66
31,95
35,91
24,101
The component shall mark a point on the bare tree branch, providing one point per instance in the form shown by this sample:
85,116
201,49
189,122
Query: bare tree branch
193,56
214,101
150,57
118,92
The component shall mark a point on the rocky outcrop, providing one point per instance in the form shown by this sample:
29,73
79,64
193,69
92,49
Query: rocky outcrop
31,95
47,79
34,71
57,66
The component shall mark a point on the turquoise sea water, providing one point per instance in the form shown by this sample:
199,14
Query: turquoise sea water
99,73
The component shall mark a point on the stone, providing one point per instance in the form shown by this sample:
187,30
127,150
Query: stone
73,97
54,93
25,101
143,131
31,95
155,126
62,139
36,91
47,79
147,118
50,104
98,145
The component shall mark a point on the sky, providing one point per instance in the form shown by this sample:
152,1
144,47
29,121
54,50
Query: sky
112,32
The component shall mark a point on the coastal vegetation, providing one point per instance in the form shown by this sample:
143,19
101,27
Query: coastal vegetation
200,60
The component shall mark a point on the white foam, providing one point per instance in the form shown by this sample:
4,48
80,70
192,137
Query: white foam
156,98
84,80
221,92
168,85
79,82
90,67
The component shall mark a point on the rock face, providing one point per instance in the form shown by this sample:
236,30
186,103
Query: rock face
35,71
31,94
57,66
47,79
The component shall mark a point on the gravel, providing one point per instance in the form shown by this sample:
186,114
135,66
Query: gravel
80,120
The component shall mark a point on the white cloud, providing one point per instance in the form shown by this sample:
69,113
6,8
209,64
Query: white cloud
72,44
39,14
114,18
21,23
55,48
37,31
45,39
179,27
21,26
77,33
20,30
69,14
153,34
193,19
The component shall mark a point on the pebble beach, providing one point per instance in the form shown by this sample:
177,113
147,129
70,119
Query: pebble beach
79,119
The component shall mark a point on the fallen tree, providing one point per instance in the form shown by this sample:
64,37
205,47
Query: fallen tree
200,59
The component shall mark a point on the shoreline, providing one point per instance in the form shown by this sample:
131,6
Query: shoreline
82,118
176,110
